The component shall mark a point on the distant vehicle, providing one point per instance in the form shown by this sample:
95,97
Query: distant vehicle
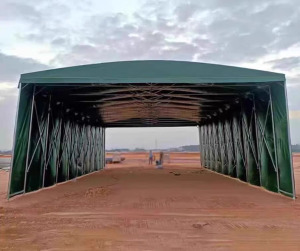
108,160
116,158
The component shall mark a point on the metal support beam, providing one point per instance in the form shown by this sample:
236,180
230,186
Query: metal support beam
46,143
103,150
289,139
57,160
200,144
275,140
14,145
29,139
257,141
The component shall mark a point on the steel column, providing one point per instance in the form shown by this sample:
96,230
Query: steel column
257,140
289,139
29,139
103,145
274,138
14,144
46,145
57,161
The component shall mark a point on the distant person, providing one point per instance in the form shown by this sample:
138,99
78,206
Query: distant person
150,157
161,157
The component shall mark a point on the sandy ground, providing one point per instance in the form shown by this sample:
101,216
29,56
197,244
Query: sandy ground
130,206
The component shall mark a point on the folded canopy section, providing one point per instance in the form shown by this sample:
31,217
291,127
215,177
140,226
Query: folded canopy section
52,144
251,142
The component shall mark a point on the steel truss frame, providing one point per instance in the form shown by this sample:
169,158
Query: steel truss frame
151,104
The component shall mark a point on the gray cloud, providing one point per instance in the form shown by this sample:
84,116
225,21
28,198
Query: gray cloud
246,33
11,67
186,11
228,31
213,31
14,10
45,20
288,63
117,37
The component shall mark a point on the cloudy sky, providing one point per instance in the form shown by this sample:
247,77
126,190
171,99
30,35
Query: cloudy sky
42,34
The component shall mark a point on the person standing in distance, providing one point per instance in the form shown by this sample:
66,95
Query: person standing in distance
150,157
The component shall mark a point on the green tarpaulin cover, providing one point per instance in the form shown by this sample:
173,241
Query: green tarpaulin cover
241,114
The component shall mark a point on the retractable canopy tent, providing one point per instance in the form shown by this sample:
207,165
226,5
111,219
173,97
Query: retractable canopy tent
62,116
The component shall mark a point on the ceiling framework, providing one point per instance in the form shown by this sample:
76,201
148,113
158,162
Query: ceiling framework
149,93
150,104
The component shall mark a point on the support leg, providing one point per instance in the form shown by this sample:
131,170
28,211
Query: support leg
29,140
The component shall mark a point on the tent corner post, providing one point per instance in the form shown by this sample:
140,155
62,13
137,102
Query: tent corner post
46,144
275,139
14,143
242,142
257,140
58,157
104,153
289,141
200,147
29,139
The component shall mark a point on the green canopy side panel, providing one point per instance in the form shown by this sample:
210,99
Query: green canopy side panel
282,139
52,142
250,143
253,142
20,142
230,147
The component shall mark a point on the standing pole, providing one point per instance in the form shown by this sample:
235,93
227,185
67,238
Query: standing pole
103,151
69,143
84,148
78,148
289,139
200,146
243,140
274,137
257,140
46,146
14,144
29,139
81,148
57,158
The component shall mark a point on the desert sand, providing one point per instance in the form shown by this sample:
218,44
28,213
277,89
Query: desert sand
133,206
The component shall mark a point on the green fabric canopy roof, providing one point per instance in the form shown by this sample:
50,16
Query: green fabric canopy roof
153,71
